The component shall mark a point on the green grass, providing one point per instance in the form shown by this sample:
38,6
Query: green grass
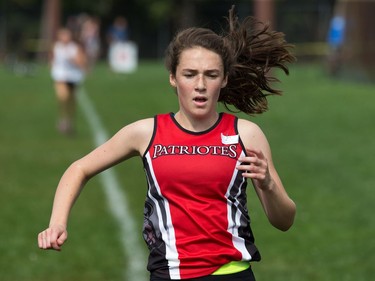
321,133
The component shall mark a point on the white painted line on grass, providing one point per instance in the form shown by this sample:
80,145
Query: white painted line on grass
117,201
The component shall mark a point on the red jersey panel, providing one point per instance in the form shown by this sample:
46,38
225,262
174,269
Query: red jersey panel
196,217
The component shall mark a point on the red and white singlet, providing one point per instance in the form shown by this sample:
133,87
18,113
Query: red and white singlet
195,216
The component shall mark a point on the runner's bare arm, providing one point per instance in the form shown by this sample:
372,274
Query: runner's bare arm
259,167
132,140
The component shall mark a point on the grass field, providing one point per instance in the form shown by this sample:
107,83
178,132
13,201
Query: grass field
321,132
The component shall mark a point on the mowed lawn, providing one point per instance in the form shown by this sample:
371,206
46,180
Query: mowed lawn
321,132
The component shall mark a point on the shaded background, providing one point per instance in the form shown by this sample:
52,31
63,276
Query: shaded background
27,27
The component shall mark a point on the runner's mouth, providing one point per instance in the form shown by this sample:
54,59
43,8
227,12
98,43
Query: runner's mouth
200,99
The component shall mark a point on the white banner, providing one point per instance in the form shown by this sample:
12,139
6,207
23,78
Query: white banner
123,57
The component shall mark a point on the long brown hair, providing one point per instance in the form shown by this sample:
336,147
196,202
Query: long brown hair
249,50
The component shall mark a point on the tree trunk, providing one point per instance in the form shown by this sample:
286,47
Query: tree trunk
51,15
265,11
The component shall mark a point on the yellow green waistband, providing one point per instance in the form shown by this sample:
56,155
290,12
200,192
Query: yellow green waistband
232,267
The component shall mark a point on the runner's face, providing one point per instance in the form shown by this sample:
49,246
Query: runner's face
65,36
198,80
